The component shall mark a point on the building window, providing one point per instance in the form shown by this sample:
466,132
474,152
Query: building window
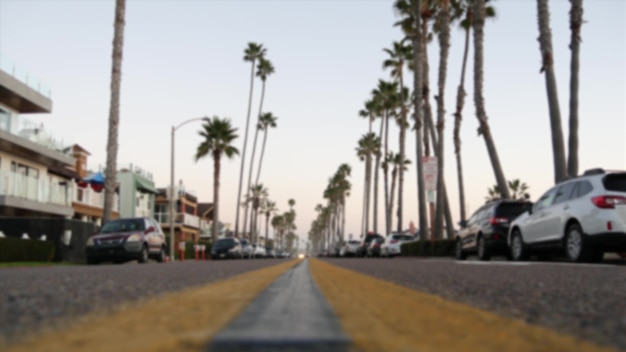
5,120
24,170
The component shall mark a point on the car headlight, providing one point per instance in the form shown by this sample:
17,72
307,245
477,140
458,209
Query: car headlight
90,242
133,238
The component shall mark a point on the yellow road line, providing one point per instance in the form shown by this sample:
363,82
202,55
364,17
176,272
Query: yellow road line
180,321
382,316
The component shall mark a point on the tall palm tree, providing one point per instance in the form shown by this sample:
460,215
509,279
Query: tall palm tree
368,146
398,56
345,186
252,53
267,120
410,10
478,25
269,208
256,196
443,25
575,23
110,182
395,160
264,69
370,111
547,60
217,141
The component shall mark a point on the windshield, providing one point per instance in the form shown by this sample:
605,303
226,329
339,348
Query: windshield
123,225
615,182
402,237
512,210
225,243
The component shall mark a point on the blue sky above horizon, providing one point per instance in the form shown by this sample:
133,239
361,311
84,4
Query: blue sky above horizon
183,59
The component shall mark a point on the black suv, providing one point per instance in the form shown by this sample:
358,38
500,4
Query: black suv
225,248
361,251
485,233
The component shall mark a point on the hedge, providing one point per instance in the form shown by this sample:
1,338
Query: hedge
437,248
18,250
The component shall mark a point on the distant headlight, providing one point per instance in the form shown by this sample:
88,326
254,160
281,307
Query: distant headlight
301,256
133,238
90,242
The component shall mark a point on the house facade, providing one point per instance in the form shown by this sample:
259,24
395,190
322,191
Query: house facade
187,222
34,168
137,193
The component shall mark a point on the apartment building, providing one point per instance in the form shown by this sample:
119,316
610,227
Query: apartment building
137,193
186,222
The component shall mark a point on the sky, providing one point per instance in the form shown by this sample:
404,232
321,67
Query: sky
184,59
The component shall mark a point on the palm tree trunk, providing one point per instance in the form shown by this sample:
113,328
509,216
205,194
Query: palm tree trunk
458,118
394,174
576,21
478,25
418,58
369,187
545,45
403,127
376,173
444,45
365,200
243,152
386,177
267,229
110,182
343,219
256,135
428,111
446,203
216,193
258,174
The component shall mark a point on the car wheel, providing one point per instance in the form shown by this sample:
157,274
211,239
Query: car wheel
460,254
161,257
92,262
483,251
519,250
575,248
143,255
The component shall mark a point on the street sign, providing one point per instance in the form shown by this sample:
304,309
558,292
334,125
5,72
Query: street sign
430,172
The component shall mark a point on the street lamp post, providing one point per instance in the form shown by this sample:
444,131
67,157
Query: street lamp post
171,197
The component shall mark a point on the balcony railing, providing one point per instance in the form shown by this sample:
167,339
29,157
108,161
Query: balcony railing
23,76
36,133
35,189
179,218
90,197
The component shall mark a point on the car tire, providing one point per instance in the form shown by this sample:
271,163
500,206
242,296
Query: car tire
482,249
574,244
161,257
519,249
92,262
459,253
143,255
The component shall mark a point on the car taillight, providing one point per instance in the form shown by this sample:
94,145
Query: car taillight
608,202
394,241
498,220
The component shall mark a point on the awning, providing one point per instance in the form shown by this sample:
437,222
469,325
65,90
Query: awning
145,185
97,177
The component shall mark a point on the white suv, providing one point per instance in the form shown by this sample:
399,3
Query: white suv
393,242
585,216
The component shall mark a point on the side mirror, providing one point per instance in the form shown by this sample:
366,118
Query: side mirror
463,223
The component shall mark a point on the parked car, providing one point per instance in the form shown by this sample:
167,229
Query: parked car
391,246
258,251
373,250
582,217
227,248
486,231
127,239
350,248
362,249
246,248
270,253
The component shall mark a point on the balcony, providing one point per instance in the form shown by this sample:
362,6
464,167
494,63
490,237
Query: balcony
21,90
179,218
88,196
28,192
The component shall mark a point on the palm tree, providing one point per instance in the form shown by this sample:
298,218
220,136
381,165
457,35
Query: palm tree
547,60
110,173
576,21
252,53
267,120
370,111
269,208
217,140
410,24
256,196
396,161
518,189
443,25
344,185
278,222
398,56
478,24
264,69
368,146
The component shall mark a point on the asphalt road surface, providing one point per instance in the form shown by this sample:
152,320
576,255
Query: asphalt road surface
584,300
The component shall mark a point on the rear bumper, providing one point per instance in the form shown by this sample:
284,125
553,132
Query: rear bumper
608,241
497,244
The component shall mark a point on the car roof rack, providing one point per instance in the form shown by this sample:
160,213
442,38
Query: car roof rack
596,171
